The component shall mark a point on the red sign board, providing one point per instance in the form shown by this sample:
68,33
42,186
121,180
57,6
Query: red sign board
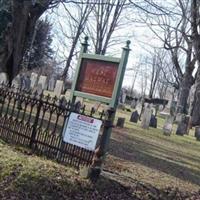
97,77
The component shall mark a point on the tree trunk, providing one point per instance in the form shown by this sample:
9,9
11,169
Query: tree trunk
196,43
186,85
24,17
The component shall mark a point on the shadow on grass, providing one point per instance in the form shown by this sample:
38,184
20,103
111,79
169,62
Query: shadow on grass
41,186
158,157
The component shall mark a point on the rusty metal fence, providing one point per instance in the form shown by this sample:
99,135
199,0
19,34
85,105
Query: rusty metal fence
37,121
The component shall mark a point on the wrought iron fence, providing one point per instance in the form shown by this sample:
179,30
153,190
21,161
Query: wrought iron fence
37,121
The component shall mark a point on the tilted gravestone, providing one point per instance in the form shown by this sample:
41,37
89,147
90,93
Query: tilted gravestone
34,78
51,83
3,78
146,117
153,121
43,82
134,117
58,88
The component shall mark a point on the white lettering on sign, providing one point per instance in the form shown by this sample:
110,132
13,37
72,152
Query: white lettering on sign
82,131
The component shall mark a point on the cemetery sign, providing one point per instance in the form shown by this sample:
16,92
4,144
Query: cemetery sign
99,77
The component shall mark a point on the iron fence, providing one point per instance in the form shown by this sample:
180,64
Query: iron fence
37,121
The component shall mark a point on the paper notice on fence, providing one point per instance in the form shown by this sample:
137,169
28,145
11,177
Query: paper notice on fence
82,131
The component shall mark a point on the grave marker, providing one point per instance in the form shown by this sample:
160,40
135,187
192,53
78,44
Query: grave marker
3,78
43,82
134,117
146,117
52,83
34,78
58,88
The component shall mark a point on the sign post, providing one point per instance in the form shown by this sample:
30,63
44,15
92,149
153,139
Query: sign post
99,78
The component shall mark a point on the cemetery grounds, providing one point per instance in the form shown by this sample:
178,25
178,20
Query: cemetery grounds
141,164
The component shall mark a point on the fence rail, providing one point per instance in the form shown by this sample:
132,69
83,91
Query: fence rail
37,121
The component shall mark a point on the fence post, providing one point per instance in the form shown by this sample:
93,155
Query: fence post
102,149
34,131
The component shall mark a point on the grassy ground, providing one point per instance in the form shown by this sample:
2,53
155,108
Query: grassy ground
151,157
142,164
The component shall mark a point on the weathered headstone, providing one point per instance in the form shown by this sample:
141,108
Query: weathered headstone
179,117
3,78
153,121
16,82
27,83
58,88
38,89
134,117
146,117
122,97
43,82
34,78
120,122
168,126
133,104
183,125
51,84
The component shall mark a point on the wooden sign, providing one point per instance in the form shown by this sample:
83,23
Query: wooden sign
97,77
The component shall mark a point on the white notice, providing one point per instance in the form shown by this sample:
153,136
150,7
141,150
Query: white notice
82,131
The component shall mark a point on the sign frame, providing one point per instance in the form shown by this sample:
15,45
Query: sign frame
121,62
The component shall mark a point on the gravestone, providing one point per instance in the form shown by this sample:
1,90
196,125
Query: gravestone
26,83
33,78
3,78
179,117
183,125
122,96
134,117
51,84
39,89
153,121
146,117
120,122
168,126
43,82
133,104
16,82
58,88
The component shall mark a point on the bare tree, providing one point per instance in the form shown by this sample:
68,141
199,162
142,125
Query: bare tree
103,23
195,18
77,26
177,40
